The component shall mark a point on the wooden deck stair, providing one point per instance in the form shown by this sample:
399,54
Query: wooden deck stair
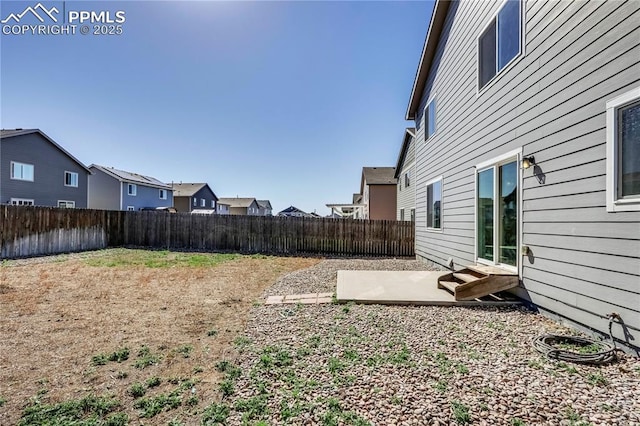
476,281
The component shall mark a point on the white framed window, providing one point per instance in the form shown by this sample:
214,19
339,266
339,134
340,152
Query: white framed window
407,181
401,214
429,119
66,204
22,171
413,215
500,42
434,204
131,208
163,194
203,202
623,152
71,179
132,189
195,201
213,204
22,202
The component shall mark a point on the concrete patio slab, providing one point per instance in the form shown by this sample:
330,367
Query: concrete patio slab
399,287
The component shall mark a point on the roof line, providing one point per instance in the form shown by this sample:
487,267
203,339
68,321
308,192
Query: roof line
428,52
409,133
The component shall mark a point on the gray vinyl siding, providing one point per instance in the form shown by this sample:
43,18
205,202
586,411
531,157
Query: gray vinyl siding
49,163
104,191
146,196
584,262
406,196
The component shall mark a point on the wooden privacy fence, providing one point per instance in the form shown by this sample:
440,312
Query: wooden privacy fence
28,231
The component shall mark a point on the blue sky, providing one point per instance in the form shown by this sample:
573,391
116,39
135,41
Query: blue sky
285,101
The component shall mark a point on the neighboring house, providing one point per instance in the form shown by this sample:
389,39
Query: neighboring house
378,189
193,196
223,208
292,211
113,189
264,208
241,206
405,175
528,151
36,171
354,210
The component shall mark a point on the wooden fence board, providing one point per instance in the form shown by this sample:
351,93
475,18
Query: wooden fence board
30,231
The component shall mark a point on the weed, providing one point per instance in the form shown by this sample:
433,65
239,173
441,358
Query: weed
400,357
517,422
154,381
313,341
241,343
198,369
146,358
303,351
192,401
2,401
335,365
597,379
351,355
252,408
71,412
122,375
100,359
212,332
460,413
137,390
117,419
535,363
215,414
461,368
441,386
175,422
185,350
396,400
483,406
155,405
375,360
226,387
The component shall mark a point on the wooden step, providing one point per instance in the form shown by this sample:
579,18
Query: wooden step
466,277
449,285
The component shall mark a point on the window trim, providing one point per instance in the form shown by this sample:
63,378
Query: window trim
426,219
431,100
71,180
203,202
615,204
14,201
73,204
160,192
135,189
11,168
521,54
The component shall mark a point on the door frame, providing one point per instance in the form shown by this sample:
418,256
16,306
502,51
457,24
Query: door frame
494,162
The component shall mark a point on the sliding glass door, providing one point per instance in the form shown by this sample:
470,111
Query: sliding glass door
497,213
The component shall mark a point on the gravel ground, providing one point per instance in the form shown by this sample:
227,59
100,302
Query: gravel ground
387,365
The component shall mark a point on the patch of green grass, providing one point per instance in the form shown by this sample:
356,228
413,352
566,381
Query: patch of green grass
597,379
86,411
146,358
154,381
461,413
137,390
461,368
2,401
591,348
441,386
152,406
401,356
215,414
227,387
241,343
351,355
517,422
252,408
119,355
159,259
334,365
175,422
185,350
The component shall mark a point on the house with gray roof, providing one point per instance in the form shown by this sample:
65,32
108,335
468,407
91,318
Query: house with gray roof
241,206
193,196
264,208
36,171
113,189
378,189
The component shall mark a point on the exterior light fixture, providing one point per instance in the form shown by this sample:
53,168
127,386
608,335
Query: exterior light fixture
528,162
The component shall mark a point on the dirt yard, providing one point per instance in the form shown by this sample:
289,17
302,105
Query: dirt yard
128,325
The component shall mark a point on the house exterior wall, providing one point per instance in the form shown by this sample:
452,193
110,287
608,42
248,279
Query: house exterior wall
406,195
238,211
49,164
382,202
146,196
222,209
104,191
365,200
584,262
185,204
182,204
